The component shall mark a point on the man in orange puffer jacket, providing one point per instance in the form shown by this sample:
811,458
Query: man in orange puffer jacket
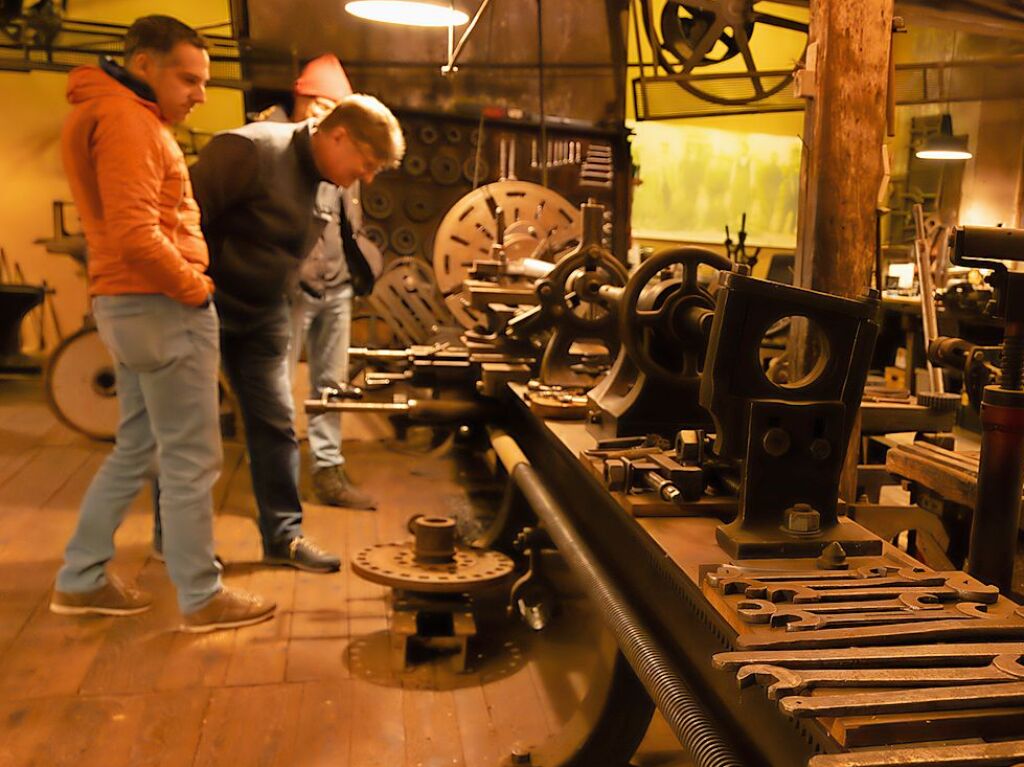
151,298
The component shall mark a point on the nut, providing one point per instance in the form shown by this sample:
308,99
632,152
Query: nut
802,518
615,474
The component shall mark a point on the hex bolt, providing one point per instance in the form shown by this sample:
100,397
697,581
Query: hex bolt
820,449
776,442
802,518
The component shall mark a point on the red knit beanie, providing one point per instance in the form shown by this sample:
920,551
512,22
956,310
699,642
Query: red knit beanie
323,76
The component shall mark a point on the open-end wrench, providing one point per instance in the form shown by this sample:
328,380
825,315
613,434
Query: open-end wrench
762,575
867,636
756,588
805,621
782,682
763,611
1004,754
931,699
913,656
951,592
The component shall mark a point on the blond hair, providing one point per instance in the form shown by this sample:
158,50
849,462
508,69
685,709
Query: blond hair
368,121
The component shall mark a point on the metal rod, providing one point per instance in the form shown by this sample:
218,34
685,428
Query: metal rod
929,317
540,83
454,55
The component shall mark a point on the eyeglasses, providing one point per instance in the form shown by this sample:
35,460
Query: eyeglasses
370,162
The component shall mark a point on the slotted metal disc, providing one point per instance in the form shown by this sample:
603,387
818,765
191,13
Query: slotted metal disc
395,565
81,386
468,230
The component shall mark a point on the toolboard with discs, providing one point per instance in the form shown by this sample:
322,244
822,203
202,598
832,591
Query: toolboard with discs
449,156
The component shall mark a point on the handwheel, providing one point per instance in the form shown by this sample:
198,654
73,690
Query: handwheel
678,312
81,386
570,294
691,34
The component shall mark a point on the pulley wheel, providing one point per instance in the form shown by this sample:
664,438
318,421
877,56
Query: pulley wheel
376,235
428,134
470,165
419,207
453,134
81,386
445,169
404,241
680,315
570,292
414,164
378,203
395,565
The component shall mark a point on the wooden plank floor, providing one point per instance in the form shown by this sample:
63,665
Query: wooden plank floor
312,687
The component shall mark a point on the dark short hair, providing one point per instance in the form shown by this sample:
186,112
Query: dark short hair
160,34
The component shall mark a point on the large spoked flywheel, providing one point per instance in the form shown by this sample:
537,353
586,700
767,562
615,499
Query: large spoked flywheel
692,35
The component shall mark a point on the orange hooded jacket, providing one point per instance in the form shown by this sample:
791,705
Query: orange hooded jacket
131,186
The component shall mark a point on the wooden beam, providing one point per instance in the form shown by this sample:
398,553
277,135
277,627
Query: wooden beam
844,131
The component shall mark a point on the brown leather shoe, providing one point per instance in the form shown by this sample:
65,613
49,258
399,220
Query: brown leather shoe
229,609
112,598
333,488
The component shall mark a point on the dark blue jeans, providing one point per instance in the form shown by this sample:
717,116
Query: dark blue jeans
255,356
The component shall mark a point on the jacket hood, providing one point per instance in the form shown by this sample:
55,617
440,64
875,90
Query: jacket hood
109,80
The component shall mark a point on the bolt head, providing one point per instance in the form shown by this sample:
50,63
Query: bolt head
821,449
776,442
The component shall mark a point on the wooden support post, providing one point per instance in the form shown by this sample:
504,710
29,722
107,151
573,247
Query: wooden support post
844,132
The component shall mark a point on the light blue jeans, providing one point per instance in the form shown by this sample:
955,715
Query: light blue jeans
325,324
167,357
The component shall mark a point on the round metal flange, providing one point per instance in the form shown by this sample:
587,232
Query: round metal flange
414,164
540,223
376,235
395,565
453,134
378,203
428,134
445,169
404,241
482,169
419,207
81,385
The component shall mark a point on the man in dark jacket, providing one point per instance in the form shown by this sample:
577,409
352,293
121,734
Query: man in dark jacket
258,189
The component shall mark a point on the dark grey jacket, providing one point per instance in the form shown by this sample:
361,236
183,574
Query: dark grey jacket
257,188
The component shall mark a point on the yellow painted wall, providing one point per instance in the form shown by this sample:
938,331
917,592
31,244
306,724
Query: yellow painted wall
30,166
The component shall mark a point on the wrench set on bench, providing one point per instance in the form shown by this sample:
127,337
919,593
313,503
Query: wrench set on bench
849,643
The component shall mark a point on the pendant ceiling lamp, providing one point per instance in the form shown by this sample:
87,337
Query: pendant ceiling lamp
411,13
944,145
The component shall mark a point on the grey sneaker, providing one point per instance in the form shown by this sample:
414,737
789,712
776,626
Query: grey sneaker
333,488
302,554
228,609
112,598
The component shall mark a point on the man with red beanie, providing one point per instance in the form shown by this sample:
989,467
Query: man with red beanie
343,263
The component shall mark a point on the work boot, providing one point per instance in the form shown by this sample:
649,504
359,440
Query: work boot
228,609
334,488
112,598
302,554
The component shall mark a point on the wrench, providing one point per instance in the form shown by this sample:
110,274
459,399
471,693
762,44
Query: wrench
948,593
761,575
763,611
804,621
756,588
783,682
915,656
971,755
930,699
955,630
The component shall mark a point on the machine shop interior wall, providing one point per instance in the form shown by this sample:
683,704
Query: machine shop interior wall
584,55
30,161
991,190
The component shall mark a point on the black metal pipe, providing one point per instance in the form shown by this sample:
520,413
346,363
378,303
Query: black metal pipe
691,722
